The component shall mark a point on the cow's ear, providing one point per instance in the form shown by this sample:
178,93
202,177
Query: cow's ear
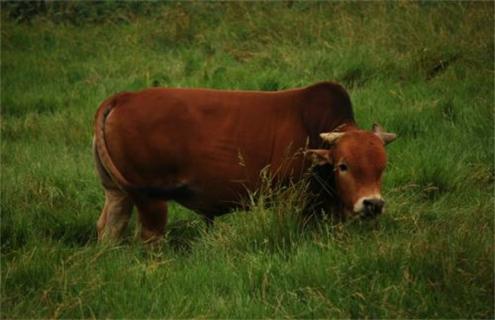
320,156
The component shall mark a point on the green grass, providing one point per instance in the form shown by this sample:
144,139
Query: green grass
424,70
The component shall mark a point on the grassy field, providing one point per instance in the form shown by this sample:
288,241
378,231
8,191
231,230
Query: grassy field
424,70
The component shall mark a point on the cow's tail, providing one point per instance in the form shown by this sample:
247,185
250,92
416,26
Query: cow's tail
100,145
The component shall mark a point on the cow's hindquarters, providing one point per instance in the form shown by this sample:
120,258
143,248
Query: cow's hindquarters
118,207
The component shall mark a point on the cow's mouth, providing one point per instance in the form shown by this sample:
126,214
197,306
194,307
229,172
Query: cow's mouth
369,215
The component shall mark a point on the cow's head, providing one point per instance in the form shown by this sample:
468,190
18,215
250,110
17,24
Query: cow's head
358,159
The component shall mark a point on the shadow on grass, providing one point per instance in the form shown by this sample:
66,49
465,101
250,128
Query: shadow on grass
182,234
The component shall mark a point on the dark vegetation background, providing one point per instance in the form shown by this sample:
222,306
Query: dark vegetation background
424,70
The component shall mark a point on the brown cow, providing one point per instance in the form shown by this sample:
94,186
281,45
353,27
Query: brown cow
205,149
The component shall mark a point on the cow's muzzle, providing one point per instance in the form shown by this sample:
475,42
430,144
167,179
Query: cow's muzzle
369,207
372,207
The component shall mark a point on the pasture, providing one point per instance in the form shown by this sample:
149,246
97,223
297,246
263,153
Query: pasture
424,70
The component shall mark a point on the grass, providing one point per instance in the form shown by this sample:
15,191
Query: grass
423,70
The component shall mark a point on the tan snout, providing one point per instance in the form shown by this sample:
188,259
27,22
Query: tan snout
369,206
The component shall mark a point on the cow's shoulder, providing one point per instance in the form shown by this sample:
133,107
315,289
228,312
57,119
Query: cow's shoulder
329,92
325,106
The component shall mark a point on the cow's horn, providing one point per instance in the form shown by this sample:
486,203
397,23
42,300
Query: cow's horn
386,137
331,137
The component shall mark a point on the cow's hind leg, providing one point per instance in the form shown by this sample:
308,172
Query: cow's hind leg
153,218
118,205
115,215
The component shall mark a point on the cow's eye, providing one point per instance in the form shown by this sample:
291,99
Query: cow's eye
343,167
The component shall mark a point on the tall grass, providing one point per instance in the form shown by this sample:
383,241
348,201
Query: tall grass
422,69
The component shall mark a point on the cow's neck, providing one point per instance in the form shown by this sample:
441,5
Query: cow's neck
323,190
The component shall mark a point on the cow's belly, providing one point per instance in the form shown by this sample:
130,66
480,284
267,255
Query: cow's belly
230,188
220,193
208,188
211,203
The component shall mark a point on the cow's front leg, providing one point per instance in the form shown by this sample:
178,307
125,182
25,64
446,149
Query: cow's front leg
153,218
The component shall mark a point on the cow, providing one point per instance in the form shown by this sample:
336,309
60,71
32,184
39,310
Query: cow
205,149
